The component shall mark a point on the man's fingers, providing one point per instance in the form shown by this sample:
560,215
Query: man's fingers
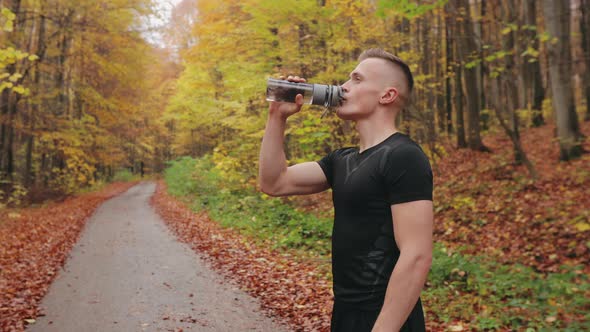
292,78
299,99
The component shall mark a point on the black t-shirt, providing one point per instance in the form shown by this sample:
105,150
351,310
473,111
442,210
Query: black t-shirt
364,186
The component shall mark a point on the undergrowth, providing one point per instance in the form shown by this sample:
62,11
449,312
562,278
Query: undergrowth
252,213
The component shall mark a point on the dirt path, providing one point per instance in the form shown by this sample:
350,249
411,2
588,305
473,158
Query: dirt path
128,273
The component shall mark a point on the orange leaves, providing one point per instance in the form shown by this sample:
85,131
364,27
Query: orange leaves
287,286
34,244
487,200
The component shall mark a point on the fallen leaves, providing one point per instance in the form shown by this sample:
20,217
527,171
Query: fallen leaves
34,244
456,328
287,286
542,224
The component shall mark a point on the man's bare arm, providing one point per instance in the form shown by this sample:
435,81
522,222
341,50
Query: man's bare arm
275,178
413,225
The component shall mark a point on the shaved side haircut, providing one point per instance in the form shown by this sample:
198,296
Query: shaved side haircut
396,61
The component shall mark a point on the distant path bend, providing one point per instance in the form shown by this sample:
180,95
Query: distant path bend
129,273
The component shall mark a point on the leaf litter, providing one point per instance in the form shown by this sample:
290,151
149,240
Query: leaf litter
34,244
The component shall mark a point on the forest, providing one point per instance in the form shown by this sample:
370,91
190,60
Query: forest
500,106
84,94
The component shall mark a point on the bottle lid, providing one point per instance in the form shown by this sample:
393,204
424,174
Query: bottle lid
319,94
327,95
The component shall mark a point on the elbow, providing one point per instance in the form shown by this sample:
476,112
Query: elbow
274,186
270,190
423,262
420,262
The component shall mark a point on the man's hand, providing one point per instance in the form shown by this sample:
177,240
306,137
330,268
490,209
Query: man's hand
285,110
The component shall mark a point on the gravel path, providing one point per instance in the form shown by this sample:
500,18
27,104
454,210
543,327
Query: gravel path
128,273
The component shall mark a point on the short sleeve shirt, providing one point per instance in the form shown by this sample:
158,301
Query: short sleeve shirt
364,186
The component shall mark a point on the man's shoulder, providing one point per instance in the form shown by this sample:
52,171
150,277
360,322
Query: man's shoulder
403,144
341,152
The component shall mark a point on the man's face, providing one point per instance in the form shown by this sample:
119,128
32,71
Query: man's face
363,90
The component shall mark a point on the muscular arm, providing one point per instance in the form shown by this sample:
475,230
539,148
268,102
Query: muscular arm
413,224
275,178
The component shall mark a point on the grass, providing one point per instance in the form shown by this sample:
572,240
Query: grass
125,175
474,290
122,175
252,213
489,295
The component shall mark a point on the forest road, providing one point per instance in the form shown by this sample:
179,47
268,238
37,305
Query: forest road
129,273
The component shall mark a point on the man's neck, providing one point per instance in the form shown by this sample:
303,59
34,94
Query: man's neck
374,131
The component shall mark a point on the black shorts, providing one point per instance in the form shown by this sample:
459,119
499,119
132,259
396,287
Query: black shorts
346,318
350,319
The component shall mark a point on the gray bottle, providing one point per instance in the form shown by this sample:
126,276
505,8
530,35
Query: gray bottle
314,94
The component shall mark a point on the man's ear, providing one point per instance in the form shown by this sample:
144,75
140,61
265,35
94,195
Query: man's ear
389,96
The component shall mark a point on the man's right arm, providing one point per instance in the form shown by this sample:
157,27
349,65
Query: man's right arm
275,178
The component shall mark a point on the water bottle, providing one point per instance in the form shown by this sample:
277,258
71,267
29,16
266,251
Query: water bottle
314,94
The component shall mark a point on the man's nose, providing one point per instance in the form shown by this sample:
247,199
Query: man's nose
345,86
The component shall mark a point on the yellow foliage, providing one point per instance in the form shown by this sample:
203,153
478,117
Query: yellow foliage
220,94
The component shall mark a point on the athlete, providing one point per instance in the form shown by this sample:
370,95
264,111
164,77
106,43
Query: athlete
382,194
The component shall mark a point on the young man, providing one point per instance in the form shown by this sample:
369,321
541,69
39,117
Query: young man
382,193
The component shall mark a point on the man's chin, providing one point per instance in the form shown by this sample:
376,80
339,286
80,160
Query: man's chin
343,114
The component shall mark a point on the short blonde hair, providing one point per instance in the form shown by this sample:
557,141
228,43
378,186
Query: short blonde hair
396,61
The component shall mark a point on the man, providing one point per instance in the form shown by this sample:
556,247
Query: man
382,193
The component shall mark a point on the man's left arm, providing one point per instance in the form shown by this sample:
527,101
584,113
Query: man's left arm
413,226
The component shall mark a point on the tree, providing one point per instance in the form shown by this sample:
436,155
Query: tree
504,64
557,22
530,74
467,50
86,74
584,23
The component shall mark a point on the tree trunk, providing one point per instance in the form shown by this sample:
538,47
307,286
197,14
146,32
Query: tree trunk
9,110
479,31
513,136
557,22
449,63
532,82
6,157
584,22
28,173
509,90
439,72
430,71
4,111
455,31
468,48
460,122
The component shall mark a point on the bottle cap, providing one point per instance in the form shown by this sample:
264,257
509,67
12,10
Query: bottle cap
326,95
319,94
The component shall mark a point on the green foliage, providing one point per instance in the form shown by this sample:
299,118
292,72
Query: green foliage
465,286
256,215
125,175
178,176
407,8
7,19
